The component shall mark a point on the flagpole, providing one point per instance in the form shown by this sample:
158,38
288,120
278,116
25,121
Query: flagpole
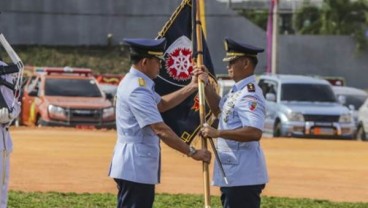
202,107
203,17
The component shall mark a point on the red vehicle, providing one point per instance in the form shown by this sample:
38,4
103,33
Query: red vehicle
111,79
109,84
65,97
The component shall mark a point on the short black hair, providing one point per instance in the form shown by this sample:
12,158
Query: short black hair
254,60
134,59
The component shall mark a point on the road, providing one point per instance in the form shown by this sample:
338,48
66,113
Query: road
74,160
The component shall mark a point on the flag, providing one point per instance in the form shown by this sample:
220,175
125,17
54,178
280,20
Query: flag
175,71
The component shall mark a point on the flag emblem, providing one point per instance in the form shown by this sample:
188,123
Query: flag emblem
179,59
195,106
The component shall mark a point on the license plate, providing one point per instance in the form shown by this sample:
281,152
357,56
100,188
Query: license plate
82,126
323,124
323,131
83,112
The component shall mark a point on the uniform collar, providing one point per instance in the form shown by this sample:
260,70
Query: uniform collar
242,83
138,73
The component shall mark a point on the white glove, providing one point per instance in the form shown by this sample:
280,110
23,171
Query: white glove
4,115
15,111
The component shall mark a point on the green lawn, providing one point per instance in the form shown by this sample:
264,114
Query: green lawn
72,200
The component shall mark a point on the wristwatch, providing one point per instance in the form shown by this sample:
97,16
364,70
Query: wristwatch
192,151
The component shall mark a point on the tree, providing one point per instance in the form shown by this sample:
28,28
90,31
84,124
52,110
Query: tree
307,20
258,17
336,17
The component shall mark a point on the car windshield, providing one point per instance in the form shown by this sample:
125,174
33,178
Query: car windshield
307,93
355,100
72,88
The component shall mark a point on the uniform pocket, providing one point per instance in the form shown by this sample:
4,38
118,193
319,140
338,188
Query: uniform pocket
233,119
224,145
147,151
248,145
228,158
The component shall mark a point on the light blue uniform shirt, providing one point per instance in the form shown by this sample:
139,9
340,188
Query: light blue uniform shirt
244,162
137,151
8,95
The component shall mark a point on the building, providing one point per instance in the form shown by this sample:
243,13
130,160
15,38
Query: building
102,22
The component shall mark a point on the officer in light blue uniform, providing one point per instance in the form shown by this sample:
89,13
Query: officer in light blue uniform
135,165
241,115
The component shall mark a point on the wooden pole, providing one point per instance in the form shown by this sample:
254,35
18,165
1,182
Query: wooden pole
203,17
202,105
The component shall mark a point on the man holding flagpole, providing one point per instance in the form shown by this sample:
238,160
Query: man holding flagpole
241,116
135,165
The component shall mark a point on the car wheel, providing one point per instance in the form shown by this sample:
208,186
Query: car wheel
277,129
39,122
361,134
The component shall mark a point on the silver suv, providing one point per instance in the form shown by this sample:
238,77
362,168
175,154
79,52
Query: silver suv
304,106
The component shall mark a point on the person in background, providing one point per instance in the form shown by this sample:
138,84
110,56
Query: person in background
241,116
6,145
135,165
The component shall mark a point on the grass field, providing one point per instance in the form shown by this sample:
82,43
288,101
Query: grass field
73,200
57,167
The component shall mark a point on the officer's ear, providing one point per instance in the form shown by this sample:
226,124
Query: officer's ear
144,61
246,62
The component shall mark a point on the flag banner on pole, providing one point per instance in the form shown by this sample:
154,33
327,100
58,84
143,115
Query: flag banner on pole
175,71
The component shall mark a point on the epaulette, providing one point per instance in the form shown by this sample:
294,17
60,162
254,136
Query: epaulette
251,87
141,82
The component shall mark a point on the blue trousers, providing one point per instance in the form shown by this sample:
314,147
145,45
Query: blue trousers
241,196
134,195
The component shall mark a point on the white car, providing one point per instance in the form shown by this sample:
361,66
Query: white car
362,132
351,97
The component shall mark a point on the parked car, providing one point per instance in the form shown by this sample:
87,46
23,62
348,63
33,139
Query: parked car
110,91
351,97
65,97
303,106
109,84
362,132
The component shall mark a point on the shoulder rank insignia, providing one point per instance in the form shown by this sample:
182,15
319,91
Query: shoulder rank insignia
142,82
251,87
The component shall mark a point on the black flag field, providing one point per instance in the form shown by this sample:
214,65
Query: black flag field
175,71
